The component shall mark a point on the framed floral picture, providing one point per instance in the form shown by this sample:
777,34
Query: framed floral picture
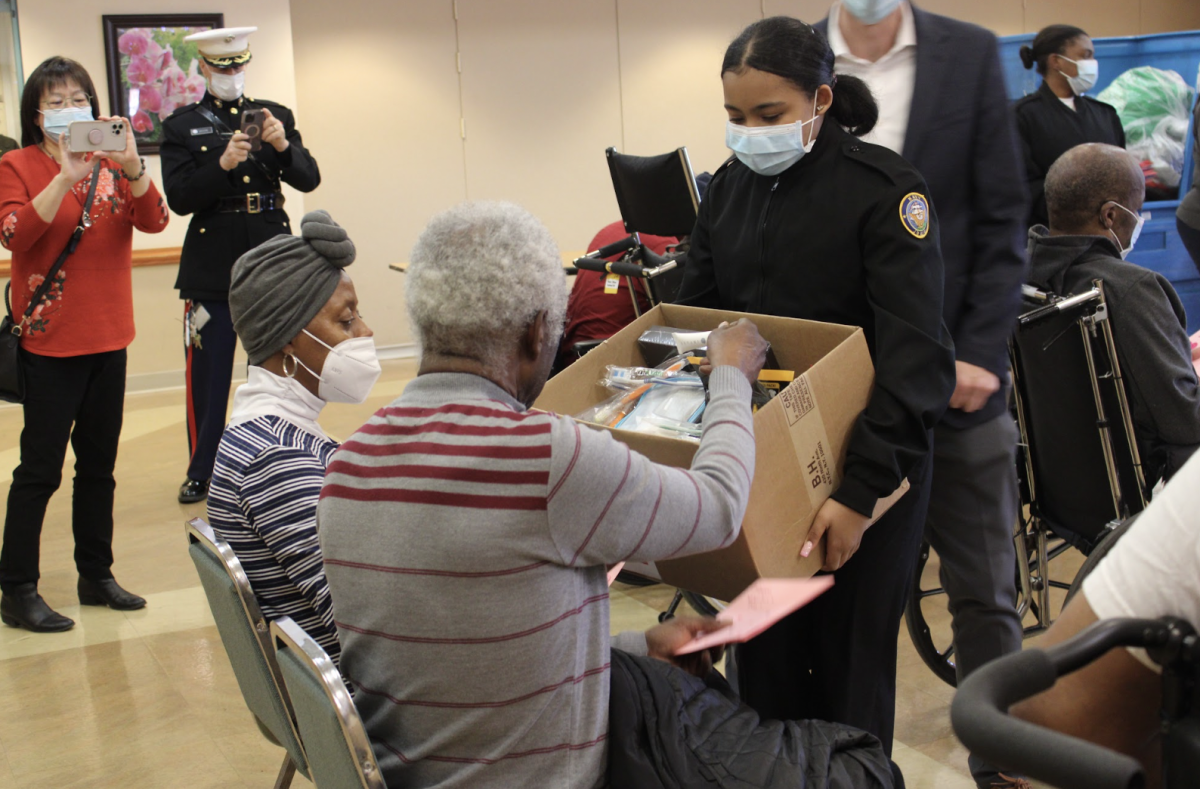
152,71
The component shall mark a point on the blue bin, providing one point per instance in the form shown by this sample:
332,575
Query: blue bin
1159,247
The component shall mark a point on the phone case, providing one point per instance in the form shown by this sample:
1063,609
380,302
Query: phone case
252,122
85,136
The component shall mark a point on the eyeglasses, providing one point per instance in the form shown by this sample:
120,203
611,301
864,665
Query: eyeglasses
79,100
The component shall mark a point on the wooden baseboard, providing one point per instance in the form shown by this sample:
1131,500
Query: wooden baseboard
163,256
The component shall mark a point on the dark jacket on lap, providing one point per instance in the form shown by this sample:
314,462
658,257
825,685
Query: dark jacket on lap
670,730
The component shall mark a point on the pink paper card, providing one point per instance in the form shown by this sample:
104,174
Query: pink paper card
614,571
764,603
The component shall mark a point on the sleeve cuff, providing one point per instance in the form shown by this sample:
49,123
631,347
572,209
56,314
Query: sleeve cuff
857,496
729,380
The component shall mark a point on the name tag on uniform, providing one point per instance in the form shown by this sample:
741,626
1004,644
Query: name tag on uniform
202,130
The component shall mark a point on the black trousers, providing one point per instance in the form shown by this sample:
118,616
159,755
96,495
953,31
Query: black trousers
209,374
81,400
835,659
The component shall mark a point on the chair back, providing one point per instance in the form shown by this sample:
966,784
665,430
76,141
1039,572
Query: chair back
335,739
656,194
246,637
1082,464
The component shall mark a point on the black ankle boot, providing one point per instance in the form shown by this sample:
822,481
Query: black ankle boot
22,606
108,593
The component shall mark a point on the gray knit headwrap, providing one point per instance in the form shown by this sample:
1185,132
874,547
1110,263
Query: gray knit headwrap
281,285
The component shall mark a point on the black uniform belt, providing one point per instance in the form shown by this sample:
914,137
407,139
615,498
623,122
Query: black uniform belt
253,203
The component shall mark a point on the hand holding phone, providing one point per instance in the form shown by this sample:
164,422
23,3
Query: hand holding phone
252,126
86,136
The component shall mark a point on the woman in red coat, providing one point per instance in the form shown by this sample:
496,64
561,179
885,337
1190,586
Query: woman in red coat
73,344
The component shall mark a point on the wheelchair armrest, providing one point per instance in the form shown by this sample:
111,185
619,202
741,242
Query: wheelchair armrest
979,713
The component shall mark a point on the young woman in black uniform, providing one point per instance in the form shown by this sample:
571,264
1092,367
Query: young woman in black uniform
1057,117
807,221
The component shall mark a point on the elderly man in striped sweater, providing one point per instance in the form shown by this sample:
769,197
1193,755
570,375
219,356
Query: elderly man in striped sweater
466,537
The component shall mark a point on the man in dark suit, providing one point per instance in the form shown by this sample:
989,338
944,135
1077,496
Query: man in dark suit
233,194
943,107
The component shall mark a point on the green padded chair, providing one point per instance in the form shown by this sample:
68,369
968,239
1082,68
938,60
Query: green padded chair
247,641
334,737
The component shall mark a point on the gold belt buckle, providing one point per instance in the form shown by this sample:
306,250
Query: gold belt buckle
254,203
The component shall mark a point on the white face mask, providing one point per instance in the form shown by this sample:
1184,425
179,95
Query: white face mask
769,150
58,122
227,86
1089,72
350,370
871,12
1133,237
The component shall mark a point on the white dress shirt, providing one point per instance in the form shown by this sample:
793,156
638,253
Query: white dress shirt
892,78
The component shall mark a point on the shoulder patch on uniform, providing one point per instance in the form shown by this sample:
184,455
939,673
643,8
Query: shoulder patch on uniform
914,214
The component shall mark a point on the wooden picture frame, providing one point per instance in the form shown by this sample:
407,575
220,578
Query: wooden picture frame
152,71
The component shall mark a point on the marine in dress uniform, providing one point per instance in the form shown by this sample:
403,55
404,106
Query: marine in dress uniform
232,212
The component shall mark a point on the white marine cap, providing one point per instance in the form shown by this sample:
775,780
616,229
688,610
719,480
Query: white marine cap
225,46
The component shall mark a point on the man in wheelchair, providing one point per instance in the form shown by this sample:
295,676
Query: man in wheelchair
1094,193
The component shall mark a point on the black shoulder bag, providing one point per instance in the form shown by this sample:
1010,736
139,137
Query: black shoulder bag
12,377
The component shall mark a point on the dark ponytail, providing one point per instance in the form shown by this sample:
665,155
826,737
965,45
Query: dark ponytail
791,49
1051,40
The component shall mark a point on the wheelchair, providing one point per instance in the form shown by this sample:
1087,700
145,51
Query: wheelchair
657,195
1080,473
979,711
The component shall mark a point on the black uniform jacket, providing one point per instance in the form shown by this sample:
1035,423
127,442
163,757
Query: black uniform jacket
195,183
962,138
825,241
1049,128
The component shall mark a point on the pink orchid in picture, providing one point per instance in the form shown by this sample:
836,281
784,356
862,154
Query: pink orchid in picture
149,98
180,88
141,71
135,42
141,122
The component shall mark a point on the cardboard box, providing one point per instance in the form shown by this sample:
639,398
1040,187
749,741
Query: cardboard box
801,438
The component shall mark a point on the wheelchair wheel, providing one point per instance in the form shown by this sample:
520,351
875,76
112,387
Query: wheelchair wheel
939,658
1098,553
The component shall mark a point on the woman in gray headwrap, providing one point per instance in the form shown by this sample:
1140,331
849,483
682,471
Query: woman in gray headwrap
296,313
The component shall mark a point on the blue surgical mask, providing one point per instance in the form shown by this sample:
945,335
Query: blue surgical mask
871,12
56,122
769,150
1133,237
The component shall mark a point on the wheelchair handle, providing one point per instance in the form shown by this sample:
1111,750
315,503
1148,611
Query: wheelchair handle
1055,307
624,268
979,712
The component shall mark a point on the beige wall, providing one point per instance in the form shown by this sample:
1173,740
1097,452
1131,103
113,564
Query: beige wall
544,87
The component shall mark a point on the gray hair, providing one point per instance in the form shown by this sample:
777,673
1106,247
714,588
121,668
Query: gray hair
480,273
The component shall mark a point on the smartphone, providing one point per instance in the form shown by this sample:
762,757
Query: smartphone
252,121
84,136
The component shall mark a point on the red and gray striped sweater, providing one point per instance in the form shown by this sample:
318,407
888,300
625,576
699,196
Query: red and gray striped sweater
465,542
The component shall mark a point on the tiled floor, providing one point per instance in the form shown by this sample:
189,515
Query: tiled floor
146,699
